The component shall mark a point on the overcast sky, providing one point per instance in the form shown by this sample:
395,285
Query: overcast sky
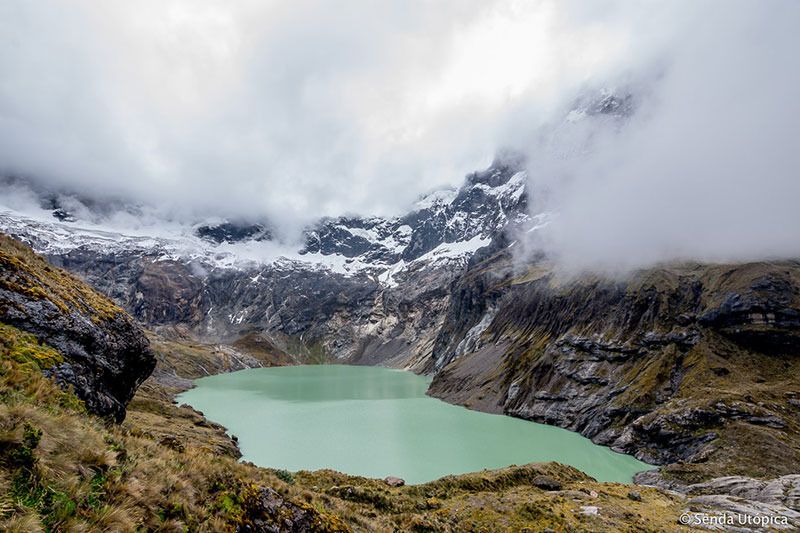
287,107
296,109
709,166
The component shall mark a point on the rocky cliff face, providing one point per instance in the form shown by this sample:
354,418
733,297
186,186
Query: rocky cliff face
673,364
105,353
360,289
679,364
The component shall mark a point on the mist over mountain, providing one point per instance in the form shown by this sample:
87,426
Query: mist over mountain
260,114
707,166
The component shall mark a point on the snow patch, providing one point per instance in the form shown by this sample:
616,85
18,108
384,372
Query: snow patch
436,198
452,250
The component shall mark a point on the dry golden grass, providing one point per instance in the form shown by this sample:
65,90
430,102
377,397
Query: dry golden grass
64,470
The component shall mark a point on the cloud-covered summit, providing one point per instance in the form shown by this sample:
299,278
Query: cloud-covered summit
707,168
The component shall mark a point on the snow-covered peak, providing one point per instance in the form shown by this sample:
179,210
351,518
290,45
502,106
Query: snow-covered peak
444,227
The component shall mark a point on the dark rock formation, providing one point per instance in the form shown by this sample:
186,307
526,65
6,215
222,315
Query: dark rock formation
106,353
266,511
233,232
546,483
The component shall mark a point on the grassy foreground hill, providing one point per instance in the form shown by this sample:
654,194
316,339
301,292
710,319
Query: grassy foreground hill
87,444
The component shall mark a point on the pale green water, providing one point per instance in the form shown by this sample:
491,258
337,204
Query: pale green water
378,422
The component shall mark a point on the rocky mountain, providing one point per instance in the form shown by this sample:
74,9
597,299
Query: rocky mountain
102,353
361,289
688,366
486,203
188,476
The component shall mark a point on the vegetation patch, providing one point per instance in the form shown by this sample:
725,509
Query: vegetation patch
25,348
24,272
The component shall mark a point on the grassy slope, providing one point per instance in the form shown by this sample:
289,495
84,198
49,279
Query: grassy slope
64,470
753,383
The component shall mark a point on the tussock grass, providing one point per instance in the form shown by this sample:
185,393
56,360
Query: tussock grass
64,470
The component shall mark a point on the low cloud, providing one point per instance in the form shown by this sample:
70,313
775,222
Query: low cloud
707,168
284,109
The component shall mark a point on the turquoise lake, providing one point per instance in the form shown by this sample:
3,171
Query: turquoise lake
378,422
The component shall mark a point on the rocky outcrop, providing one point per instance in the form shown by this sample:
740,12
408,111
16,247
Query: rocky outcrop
233,232
765,317
736,503
783,491
106,355
266,511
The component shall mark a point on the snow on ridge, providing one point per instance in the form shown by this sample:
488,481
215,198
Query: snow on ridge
53,237
382,234
453,250
369,234
169,243
386,277
175,242
436,198
512,189
335,263
444,254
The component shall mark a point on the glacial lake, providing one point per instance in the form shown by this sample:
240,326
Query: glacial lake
378,422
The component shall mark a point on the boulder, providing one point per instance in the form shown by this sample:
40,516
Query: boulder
393,481
546,483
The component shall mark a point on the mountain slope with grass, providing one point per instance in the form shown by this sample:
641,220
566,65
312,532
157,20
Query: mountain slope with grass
62,469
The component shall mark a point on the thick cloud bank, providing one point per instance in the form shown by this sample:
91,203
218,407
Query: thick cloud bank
286,108
297,109
708,168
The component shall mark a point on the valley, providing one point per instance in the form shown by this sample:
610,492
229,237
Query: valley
463,266
688,367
